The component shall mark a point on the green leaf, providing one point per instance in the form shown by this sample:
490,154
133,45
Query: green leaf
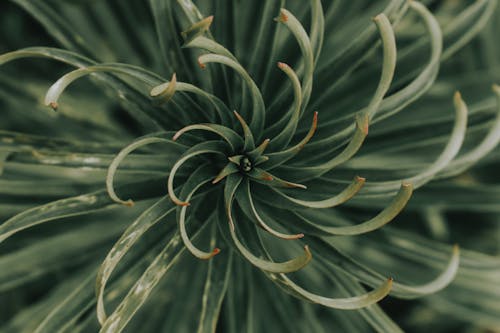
291,22
195,181
258,107
143,287
209,147
232,183
216,284
75,206
162,208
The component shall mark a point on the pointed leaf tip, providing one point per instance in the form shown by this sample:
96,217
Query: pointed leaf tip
229,169
295,185
197,29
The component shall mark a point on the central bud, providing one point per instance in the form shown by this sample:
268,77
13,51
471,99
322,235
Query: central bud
245,164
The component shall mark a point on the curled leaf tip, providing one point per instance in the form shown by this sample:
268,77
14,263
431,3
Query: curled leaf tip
176,200
283,17
262,223
197,29
359,179
53,105
165,91
378,17
293,237
206,255
201,64
459,103
310,134
290,266
308,252
350,303
345,195
129,203
409,186
216,251
441,281
282,65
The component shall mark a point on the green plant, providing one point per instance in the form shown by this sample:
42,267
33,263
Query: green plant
282,171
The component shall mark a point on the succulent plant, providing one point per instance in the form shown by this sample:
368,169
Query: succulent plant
194,185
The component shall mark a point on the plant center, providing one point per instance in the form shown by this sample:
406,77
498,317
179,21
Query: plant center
245,164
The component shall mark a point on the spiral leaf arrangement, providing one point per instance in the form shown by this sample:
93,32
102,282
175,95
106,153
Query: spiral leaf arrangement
251,161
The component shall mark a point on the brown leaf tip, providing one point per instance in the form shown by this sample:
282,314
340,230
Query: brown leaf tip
282,16
54,105
282,65
129,203
360,179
